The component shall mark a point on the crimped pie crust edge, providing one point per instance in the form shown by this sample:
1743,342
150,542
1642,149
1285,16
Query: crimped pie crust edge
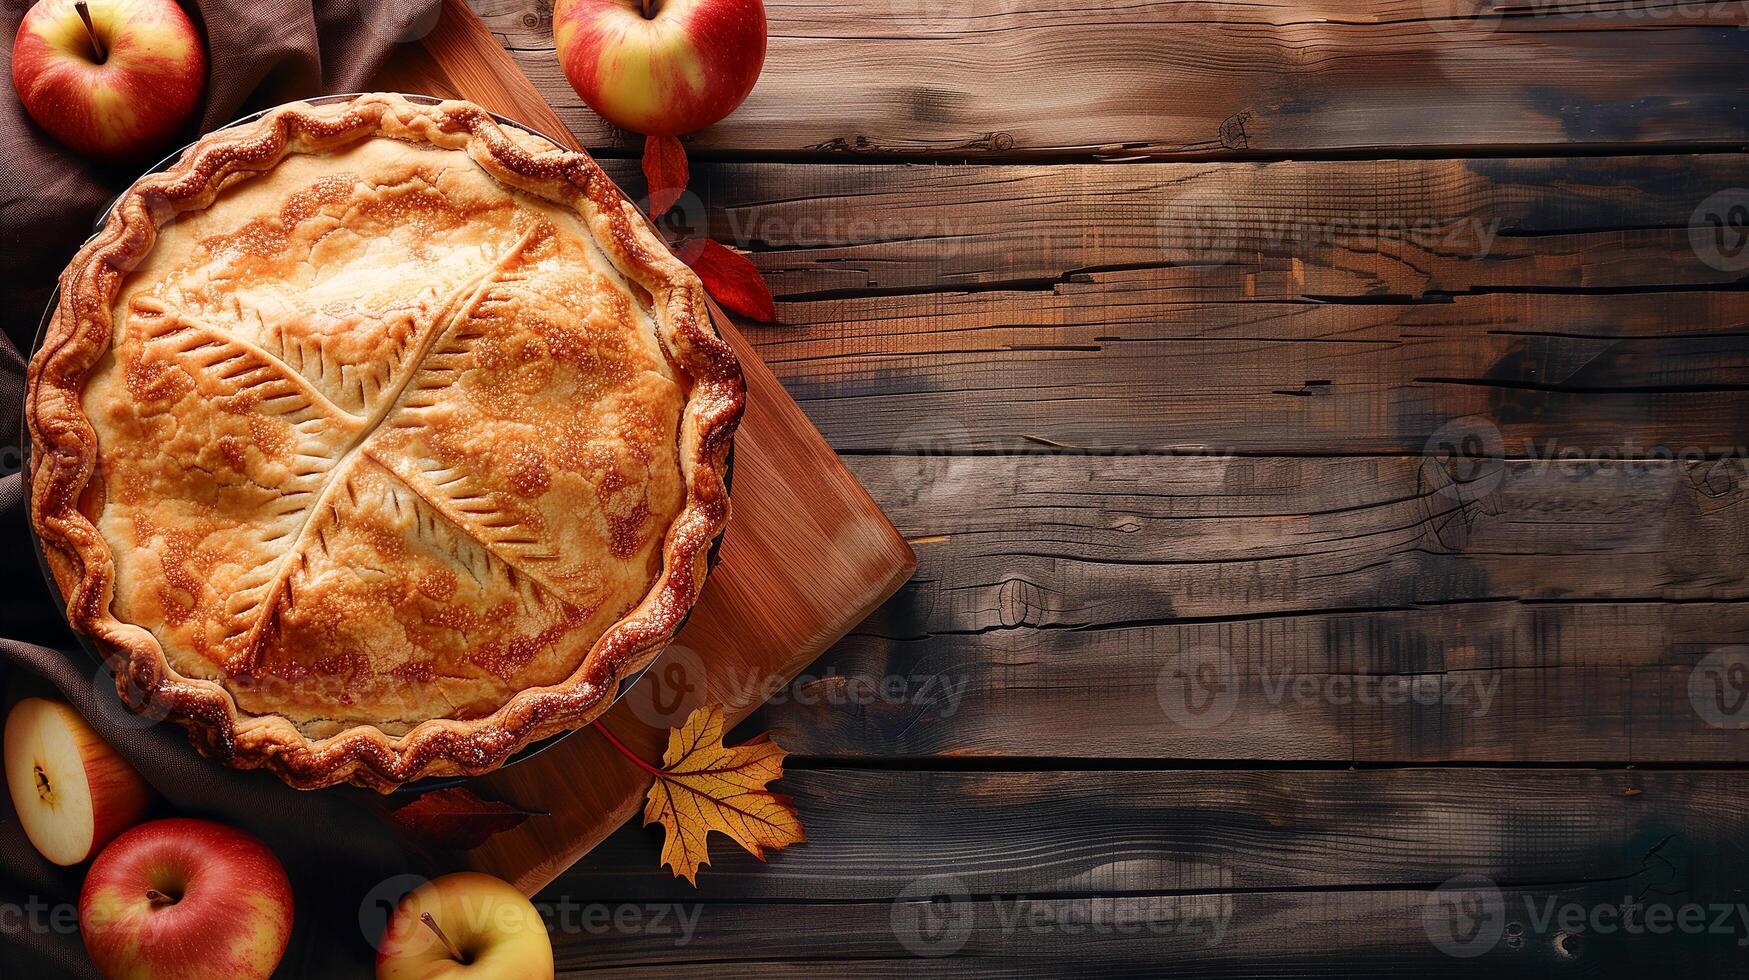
64,445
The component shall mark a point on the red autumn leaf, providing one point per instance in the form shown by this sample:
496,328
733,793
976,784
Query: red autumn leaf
730,279
665,172
457,819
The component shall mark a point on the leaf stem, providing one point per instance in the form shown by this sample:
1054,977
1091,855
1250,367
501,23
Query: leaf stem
628,753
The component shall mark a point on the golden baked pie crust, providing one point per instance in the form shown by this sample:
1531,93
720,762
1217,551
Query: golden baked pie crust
431,525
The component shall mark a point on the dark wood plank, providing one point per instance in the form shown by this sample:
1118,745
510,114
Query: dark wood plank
1341,307
1006,78
1120,361
1223,873
1163,832
1066,541
1364,934
1539,611
1466,683
1282,230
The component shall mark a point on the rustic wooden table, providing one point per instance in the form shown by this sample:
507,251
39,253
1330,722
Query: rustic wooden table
1321,427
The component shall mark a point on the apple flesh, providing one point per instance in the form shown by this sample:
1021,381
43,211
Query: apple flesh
687,65
122,102
186,899
72,792
465,926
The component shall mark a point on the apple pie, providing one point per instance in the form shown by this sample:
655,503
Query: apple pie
376,440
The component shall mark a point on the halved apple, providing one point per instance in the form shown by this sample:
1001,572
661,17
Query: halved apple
73,793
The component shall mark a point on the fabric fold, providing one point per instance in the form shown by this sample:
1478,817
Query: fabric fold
336,847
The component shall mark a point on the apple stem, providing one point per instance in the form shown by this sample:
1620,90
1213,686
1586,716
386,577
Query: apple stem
91,29
158,898
430,923
649,8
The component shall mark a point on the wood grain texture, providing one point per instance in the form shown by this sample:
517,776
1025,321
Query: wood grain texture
1359,609
1365,934
1219,873
1007,78
1158,832
1328,307
1375,229
1018,359
807,553
1592,682
1110,540
1123,361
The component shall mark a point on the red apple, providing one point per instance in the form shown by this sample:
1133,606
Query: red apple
465,926
72,792
661,67
116,90
186,899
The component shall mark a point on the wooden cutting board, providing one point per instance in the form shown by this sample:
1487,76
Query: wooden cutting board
806,557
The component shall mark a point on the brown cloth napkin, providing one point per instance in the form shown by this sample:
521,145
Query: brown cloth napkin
342,859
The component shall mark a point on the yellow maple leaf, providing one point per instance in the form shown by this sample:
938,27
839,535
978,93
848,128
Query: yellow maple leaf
703,786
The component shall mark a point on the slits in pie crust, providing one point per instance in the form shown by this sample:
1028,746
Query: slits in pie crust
376,440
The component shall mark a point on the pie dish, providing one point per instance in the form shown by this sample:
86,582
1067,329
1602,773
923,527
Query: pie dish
376,440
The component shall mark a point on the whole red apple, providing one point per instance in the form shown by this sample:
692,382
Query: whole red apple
661,67
186,899
116,90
